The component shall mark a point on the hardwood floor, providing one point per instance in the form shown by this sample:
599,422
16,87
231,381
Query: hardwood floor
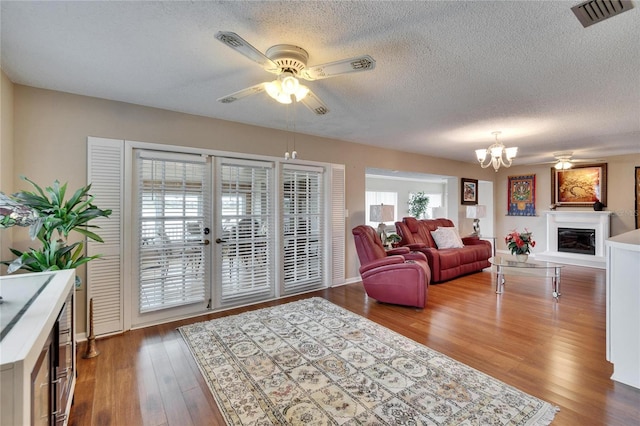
555,351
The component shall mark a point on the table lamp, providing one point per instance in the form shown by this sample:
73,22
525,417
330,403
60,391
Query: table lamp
382,213
476,213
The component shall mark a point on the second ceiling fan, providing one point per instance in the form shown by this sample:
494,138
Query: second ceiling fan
289,63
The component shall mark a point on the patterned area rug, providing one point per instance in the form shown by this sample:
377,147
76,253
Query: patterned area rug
314,363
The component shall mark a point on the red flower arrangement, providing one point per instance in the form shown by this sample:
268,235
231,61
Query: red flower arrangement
519,243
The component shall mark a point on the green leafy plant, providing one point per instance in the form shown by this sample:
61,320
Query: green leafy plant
393,238
418,203
56,218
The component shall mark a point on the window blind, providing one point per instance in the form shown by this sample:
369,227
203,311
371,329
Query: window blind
303,221
245,192
172,194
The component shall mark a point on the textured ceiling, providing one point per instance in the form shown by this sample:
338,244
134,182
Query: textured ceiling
447,73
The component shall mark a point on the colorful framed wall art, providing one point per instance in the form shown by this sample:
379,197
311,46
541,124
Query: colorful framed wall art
521,199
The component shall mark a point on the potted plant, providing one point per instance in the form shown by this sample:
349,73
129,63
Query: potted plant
51,219
520,244
393,240
418,203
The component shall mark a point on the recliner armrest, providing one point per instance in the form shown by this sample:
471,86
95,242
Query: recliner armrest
470,241
398,250
416,246
415,255
389,260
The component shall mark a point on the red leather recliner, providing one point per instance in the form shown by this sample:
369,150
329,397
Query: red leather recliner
396,276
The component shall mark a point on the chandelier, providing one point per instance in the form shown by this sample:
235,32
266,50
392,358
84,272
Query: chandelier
499,155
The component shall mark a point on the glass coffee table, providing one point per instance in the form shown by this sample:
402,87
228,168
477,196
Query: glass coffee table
506,264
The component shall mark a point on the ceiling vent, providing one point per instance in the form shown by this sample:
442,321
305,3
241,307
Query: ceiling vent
593,11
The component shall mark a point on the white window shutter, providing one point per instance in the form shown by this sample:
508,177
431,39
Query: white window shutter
105,161
337,224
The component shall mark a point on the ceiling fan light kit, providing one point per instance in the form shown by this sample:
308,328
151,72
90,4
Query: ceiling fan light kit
286,86
499,155
289,62
563,165
563,160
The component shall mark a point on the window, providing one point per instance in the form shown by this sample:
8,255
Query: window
246,216
303,218
435,201
171,196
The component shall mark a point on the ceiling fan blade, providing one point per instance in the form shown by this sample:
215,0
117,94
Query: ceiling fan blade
258,88
314,103
240,45
345,66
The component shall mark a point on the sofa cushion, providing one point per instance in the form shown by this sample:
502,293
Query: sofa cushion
449,258
447,237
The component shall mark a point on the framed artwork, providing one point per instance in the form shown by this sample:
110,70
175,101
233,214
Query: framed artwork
637,197
468,191
579,186
522,195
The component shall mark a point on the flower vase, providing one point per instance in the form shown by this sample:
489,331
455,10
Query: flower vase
522,257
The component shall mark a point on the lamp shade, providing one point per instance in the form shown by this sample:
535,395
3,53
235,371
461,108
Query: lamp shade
381,213
476,212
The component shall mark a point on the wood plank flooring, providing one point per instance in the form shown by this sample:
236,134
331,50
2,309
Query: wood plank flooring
555,351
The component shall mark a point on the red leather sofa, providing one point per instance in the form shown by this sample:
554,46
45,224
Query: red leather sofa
396,276
445,263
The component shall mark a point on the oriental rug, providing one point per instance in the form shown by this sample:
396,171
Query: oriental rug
314,363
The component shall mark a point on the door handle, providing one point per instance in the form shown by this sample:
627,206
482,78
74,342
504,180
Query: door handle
220,240
205,243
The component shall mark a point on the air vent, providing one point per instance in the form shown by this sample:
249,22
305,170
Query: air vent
594,11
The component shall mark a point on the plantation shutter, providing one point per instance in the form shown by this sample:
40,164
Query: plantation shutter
303,221
172,192
245,200
105,160
337,225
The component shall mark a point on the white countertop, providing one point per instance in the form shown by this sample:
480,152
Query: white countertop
628,241
32,328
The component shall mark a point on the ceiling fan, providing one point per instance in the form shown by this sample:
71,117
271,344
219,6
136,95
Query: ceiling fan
564,160
289,63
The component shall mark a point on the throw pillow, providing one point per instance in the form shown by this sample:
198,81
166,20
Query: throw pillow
447,237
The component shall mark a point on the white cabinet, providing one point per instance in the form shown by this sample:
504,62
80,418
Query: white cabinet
623,307
37,348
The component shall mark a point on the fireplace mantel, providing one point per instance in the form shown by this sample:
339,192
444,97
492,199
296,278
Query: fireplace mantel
585,219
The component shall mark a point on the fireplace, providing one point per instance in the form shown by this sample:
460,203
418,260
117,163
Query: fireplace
584,246
577,240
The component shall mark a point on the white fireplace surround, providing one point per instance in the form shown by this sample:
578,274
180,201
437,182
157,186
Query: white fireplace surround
580,220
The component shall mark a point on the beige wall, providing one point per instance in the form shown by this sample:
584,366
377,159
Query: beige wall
44,137
620,199
6,157
51,130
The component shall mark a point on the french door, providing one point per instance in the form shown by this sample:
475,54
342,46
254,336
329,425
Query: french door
192,232
173,214
245,237
179,271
